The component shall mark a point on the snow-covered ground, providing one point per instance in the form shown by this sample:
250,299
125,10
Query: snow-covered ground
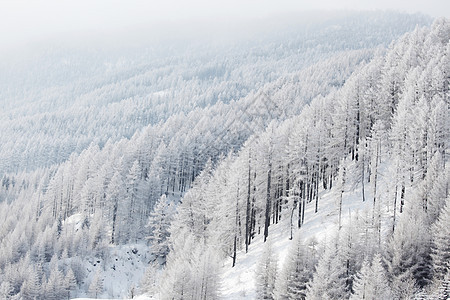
140,297
121,271
239,282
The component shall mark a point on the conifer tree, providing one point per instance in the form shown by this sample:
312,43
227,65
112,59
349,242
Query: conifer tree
70,282
149,281
371,282
32,288
297,271
408,252
55,285
329,280
266,273
159,224
96,286
6,290
441,242
114,194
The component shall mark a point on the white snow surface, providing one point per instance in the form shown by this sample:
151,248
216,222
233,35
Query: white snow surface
122,269
239,282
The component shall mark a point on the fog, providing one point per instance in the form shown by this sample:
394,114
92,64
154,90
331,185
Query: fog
25,22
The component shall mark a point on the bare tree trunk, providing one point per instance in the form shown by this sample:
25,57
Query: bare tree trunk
375,175
301,203
253,212
363,176
292,217
342,192
114,223
237,228
267,216
395,208
248,211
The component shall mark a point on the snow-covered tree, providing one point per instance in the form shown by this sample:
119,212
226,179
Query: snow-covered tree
96,285
266,273
297,271
114,195
177,280
441,242
6,290
329,280
159,223
149,281
371,282
54,288
70,282
32,288
409,261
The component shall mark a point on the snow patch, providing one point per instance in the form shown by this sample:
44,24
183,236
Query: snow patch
121,271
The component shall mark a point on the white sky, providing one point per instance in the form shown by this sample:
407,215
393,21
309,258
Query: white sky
24,21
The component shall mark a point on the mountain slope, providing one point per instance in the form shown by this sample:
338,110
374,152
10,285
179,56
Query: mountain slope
384,131
239,170
60,101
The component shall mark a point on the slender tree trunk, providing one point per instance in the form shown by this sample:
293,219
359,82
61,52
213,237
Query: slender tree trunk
267,217
113,232
402,198
395,208
234,250
292,217
304,202
358,126
253,212
342,193
363,176
237,228
375,175
248,210
300,203
316,191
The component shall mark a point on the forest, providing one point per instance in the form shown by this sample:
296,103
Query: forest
319,158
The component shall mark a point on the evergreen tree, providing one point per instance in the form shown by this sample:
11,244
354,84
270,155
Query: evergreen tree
96,286
206,273
54,288
177,280
149,282
371,282
159,224
266,273
32,288
362,283
70,282
134,208
6,290
441,242
329,281
297,271
409,261
114,194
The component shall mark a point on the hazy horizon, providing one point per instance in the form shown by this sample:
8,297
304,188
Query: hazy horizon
23,22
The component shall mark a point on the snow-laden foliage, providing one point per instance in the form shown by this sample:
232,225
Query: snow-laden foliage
389,120
371,282
238,147
59,101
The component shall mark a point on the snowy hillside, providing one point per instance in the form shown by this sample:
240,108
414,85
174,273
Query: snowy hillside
61,100
381,140
239,282
305,158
